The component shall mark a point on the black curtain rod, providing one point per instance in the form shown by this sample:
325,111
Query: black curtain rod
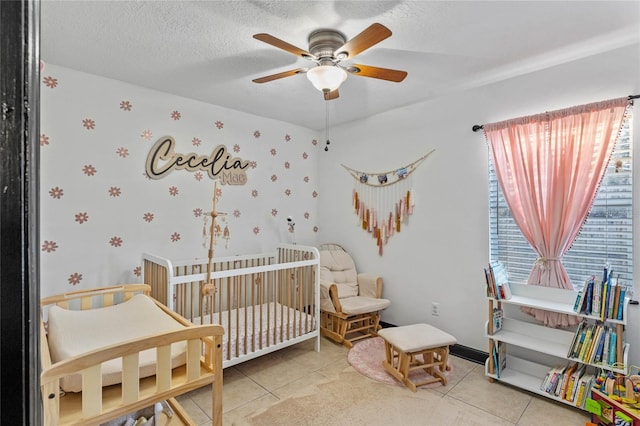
477,127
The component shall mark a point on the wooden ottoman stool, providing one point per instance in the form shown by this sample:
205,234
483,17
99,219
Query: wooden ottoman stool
403,344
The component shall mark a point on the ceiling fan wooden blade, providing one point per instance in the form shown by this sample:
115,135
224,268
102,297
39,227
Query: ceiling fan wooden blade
280,44
377,72
372,35
328,96
279,75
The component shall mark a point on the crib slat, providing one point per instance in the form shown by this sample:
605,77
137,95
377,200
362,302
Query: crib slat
92,391
85,303
130,378
107,299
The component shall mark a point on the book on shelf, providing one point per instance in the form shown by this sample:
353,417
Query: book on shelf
605,347
550,382
613,312
561,390
500,349
623,294
491,292
595,342
581,334
584,389
497,281
572,386
612,348
582,303
589,296
612,300
587,341
499,354
498,316
596,299
597,357
578,337
604,299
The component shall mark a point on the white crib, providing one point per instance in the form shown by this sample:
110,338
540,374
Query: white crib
265,302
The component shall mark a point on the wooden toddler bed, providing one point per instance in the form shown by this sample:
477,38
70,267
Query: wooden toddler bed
264,302
111,351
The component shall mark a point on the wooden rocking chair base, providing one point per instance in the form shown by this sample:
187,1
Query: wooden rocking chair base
347,329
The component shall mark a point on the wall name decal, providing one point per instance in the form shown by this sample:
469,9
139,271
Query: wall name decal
162,160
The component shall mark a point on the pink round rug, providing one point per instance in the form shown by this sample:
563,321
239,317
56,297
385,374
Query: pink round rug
366,357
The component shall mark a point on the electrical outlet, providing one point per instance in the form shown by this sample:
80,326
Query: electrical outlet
435,308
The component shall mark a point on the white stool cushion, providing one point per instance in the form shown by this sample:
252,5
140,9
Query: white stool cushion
416,337
363,305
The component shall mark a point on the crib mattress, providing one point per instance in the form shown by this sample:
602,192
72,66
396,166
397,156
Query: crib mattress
266,325
75,332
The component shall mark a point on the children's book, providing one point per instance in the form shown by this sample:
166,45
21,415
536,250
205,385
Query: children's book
572,388
576,339
598,355
579,297
581,341
583,301
623,293
491,291
596,299
502,356
499,358
553,380
603,303
566,379
605,347
612,348
587,341
584,388
613,312
613,284
497,319
501,280
595,341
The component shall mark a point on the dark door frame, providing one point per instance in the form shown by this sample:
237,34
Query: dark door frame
19,212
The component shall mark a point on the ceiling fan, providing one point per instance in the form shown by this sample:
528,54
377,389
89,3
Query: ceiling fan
327,48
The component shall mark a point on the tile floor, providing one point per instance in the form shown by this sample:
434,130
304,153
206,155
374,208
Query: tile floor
254,386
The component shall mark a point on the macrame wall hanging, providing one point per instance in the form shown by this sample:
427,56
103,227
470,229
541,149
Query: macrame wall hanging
383,201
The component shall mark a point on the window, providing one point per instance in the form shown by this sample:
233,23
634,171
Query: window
606,235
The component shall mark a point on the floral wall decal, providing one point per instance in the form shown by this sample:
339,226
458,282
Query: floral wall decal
101,210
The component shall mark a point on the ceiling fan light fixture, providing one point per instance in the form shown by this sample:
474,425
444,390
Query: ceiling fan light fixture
326,78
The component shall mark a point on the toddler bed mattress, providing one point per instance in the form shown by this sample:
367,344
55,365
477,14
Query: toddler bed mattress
76,332
258,327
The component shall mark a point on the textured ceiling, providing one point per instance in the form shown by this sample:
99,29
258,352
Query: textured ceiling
204,50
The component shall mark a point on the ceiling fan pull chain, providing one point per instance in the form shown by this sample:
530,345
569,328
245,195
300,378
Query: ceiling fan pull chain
326,126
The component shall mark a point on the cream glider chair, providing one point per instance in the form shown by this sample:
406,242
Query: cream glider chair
349,302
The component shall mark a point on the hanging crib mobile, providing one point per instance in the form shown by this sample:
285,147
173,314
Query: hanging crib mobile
383,201
211,233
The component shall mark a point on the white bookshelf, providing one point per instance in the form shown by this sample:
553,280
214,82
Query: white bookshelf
529,336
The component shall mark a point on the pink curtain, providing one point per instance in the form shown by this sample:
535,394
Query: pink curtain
549,167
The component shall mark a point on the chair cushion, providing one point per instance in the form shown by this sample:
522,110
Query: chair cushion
362,305
336,266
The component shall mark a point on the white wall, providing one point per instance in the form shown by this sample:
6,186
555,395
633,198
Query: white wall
439,256
284,156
